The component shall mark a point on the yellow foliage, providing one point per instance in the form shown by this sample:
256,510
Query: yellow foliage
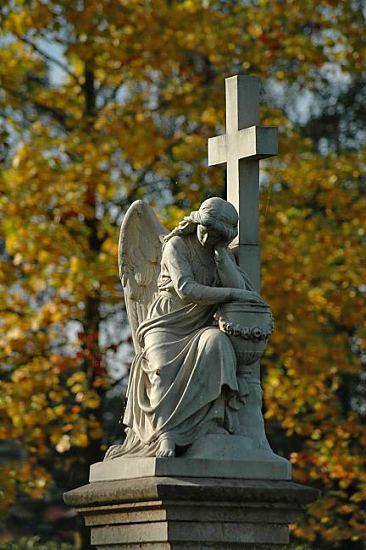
127,118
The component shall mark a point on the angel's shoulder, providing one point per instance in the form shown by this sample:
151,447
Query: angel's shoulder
175,245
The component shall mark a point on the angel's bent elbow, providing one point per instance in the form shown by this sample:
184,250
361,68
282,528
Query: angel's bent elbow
183,296
185,292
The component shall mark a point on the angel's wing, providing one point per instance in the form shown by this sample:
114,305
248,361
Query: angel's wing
139,256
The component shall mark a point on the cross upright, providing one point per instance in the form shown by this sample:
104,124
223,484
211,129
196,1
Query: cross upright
241,148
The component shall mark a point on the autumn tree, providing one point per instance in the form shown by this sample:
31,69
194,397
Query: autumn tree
103,102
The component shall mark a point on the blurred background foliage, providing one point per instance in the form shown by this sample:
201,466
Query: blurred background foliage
106,101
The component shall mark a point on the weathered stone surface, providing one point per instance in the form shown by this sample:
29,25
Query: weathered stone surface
145,489
229,460
241,149
194,389
189,376
243,145
189,513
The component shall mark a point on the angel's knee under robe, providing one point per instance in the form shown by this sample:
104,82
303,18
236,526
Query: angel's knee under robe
185,377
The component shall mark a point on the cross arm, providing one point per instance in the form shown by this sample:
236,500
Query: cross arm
256,142
217,150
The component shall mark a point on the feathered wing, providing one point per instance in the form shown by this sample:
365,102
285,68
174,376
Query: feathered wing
139,257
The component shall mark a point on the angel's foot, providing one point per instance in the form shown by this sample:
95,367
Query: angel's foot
166,448
165,453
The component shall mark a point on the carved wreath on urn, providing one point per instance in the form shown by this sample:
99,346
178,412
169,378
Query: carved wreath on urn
255,334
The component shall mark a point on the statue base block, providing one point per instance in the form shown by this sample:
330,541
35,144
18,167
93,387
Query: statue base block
164,513
275,468
213,455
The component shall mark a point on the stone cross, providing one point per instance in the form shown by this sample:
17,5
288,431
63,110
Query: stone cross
241,148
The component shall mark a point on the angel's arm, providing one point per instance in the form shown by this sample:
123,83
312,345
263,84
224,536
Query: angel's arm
183,279
229,272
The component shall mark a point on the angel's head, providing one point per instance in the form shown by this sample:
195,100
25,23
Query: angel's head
216,221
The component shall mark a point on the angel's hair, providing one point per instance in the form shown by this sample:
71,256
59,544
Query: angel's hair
214,213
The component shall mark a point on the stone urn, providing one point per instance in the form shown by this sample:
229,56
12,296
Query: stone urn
248,326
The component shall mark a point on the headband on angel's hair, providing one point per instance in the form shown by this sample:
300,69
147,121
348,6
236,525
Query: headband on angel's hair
214,213
186,226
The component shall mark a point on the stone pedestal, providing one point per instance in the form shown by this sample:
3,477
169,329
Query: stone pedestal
213,456
189,513
258,464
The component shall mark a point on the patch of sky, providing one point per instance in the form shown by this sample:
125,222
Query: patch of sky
296,102
114,337
55,60
300,104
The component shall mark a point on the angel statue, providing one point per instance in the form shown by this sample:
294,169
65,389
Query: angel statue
183,380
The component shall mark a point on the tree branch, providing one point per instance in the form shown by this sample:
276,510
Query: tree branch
50,58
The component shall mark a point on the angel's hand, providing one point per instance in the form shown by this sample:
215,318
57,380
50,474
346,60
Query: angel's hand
221,251
239,295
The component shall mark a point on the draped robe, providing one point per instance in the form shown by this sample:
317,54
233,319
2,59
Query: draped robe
183,382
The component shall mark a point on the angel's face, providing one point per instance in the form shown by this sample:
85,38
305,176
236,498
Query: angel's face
208,237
